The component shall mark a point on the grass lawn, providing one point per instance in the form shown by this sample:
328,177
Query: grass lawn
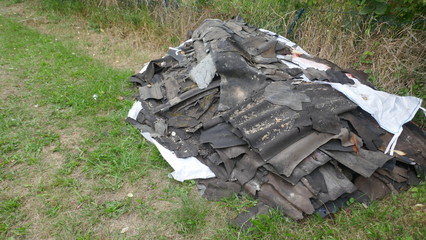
71,168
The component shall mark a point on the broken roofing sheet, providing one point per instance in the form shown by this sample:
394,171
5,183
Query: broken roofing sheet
247,110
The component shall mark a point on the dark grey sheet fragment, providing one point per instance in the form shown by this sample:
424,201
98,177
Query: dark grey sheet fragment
217,189
203,73
295,72
366,127
364,162
228,163
298,194
393,175
309,164
183,97
335,145
325,122
172,87
343,201
337,184
187,149
289,158
139,126
372,187
283,94
151,92
243,219
160,127
230,155
315,74
221,136
338,76
315,182
200,50
233,152
152,67
214,162
253,186
245,168
210,30
183,121
175,53
271,197
236,86
268,128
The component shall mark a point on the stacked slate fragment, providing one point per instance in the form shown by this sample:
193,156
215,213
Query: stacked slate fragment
234,98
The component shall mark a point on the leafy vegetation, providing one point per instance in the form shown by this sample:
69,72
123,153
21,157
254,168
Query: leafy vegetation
396,11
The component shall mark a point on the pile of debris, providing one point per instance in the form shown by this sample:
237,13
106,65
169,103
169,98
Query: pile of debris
270,120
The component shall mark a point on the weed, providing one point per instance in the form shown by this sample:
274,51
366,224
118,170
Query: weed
239,203
9,206
419,192
156,159
110,184
182,190
115,209
83,199
190,217
11,218
69,166
53,208
268,226
144,207
65,182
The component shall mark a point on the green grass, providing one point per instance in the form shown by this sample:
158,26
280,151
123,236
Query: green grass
397,217
58,81
68,161
190,217
71,168
115,209
11,218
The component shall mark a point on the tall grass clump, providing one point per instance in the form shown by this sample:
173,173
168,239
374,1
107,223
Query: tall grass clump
392,56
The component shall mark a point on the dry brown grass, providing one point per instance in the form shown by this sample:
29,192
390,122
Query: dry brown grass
394,58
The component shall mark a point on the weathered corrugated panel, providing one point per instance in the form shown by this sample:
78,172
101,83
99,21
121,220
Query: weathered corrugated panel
270,128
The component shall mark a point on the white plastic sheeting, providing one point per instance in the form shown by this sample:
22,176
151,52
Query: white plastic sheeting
389,110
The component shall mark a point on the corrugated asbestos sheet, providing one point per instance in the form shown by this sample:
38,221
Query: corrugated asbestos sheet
233,98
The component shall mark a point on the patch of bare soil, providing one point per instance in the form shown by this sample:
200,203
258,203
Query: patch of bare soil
71,138
30,181
52,158
10,86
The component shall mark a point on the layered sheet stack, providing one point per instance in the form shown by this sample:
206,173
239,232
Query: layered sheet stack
264,117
